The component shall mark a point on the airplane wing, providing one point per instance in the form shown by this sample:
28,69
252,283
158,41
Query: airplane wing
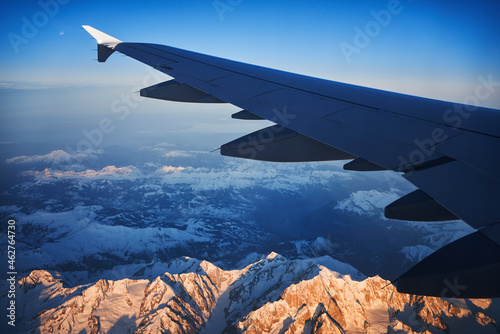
450,151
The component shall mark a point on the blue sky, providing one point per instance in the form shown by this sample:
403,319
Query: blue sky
446,43
437,49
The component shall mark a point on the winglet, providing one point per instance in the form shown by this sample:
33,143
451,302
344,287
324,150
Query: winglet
105,43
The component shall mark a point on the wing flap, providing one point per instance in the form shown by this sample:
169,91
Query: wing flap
363,165
246,115
173,91
418,206
279,144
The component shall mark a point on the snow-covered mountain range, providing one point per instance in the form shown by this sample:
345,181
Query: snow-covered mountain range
82,214
272,295
125,225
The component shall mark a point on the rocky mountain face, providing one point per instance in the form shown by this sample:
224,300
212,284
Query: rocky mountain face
271,295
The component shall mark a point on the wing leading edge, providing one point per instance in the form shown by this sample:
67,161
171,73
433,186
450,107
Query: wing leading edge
451,152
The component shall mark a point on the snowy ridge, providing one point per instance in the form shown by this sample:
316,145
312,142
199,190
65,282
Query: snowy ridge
272,295
367,202
245,176
55,157
416,253
108,172
109,213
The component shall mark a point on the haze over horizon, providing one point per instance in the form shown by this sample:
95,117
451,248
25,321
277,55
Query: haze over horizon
444,50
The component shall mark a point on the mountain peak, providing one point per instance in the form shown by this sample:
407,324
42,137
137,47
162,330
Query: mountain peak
275,256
